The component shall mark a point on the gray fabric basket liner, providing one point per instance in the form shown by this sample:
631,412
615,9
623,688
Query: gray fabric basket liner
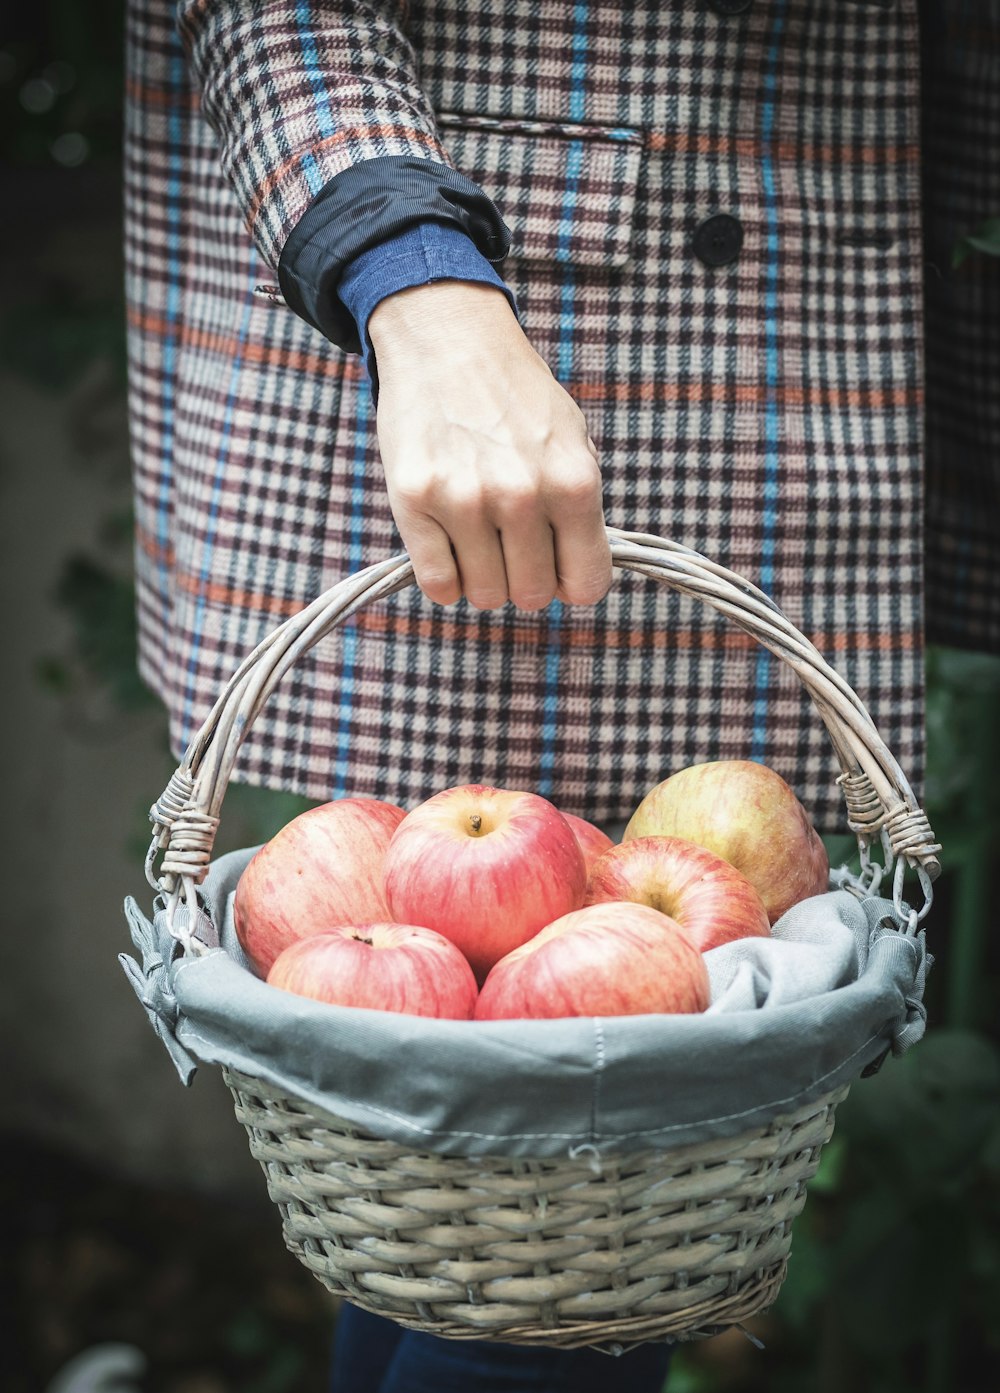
791,1018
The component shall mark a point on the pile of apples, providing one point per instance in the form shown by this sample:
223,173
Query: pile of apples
485,903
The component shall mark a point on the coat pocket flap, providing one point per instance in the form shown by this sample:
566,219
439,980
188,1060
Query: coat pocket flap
567,192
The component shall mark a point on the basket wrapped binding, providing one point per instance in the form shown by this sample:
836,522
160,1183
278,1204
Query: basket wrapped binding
559,1183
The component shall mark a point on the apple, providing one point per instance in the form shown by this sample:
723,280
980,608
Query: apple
593,840
611,959
322,869
747,814
384,967
710,899
487,867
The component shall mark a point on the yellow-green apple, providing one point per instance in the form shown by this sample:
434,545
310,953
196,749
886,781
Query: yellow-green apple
747,814
384,967
322,869
711,900
613,959
487,867
593,840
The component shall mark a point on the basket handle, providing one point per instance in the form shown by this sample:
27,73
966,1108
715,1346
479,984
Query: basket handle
879,801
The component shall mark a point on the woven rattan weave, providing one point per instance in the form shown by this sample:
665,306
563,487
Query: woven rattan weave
538,1252
579,1250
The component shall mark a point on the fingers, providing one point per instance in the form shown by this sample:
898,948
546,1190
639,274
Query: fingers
509,546
492,477
529,556
582,551
429,548
481,566
527,541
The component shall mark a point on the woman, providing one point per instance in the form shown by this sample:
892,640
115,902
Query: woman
473,279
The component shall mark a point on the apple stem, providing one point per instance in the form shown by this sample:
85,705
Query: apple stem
360,938
476,821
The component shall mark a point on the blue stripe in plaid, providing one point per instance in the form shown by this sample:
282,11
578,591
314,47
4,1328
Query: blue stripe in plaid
314,72
577,96
222,460
349,632
175,168
771,416
574,164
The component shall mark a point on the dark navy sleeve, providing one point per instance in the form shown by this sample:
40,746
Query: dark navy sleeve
422,254
364,207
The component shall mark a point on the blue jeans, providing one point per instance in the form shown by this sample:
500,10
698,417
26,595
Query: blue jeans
373,1355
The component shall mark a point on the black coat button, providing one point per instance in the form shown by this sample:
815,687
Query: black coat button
729,7
717,240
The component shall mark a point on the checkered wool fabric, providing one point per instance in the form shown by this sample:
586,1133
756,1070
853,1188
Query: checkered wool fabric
767,413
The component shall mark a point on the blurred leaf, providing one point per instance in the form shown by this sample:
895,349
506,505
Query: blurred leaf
831,1167
101,605
809,1272
898,1251
842,850
686,1376
925,1119
985,237
253,815
54,675
56,337
281,1374
874,1263
248,1334
963,711
65,79
276,1362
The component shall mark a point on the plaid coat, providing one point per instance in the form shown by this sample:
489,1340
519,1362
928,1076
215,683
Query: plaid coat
767,412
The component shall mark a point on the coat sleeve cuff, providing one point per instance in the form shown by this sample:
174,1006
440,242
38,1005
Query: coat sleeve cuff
367,205
420,255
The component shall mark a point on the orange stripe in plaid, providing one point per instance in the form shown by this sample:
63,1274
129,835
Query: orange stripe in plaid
740,394
747,393
747,147
348,134
161,554
443,629
273,355
145,95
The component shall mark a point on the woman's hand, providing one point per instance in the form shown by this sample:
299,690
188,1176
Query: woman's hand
492,477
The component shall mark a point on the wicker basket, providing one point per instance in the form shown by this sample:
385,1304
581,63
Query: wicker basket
664,1244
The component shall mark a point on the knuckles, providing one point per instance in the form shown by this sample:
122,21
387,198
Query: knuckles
486,599
532,601
587,591
443,590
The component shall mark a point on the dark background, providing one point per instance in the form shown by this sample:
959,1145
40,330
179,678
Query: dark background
136,1226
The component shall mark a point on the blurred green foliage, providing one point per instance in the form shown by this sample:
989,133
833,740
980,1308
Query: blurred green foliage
60,83
64,327
101,604
985,237
899,1253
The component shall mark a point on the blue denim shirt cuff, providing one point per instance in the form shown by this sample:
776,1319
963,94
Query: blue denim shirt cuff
424,253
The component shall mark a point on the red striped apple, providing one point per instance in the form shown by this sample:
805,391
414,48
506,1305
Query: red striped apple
611,959
710,899
748,815
593,840
487,867
384,967
322,869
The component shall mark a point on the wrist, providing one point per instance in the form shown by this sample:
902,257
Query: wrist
433,315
